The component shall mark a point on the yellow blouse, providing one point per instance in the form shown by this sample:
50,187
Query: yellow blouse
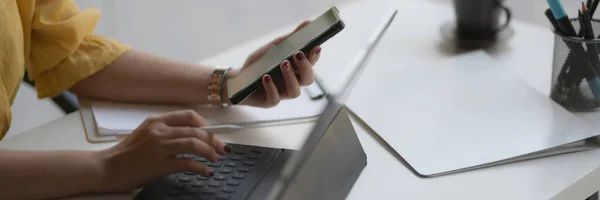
53,40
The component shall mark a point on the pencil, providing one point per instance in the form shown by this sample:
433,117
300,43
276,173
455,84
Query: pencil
552,20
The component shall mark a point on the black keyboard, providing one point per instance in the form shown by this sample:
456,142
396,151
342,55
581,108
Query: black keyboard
235,175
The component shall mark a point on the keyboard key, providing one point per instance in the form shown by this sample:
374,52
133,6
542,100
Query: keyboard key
223,158
228,189
209,190
185,178
231,164
197,183
226,170
243,169
214,184
241,150
257,149
222,196
200,177
249,162
212,164
236,157
238,175
220,177
188,156
233,182
200,159
254,156
189,173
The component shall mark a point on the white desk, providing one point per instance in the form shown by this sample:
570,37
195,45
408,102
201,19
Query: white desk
407,44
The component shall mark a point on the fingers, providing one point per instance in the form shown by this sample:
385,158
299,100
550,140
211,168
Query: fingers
191,145
190,165
271,93
198,133
291,83
305,70
183,118
314,54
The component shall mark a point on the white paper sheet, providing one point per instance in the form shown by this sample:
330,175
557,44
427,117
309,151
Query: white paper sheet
464,112
115,117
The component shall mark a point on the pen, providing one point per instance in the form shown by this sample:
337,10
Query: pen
210,129
562,18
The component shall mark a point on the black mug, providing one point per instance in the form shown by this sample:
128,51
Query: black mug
479,19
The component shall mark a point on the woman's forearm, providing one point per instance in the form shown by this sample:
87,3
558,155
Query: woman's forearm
141,77
51,174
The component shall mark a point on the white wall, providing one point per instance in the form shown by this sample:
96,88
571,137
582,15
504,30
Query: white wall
193,29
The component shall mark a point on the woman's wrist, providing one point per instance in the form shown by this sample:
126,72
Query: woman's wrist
91,166
102,170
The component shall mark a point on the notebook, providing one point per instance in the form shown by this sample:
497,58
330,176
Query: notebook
112,118
464,113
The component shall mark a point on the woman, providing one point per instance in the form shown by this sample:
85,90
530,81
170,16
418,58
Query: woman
52,40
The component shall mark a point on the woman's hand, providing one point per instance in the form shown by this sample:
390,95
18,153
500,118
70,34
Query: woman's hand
150,151
293,77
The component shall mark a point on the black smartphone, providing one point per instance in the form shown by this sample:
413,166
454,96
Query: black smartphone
311,35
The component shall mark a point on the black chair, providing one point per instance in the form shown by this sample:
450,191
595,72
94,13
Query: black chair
67,101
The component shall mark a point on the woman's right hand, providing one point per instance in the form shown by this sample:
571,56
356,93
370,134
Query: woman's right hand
150,151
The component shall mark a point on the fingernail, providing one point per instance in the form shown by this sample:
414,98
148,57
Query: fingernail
268,78
227,149
286,65
318,49
211,173
300,56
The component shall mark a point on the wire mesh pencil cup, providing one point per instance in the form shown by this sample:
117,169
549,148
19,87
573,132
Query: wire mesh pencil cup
576,71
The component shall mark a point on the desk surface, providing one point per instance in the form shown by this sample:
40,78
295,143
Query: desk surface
570,176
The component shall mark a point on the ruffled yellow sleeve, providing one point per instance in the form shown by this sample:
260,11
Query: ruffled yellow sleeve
63,49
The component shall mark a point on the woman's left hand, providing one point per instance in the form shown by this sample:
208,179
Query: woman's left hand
293,77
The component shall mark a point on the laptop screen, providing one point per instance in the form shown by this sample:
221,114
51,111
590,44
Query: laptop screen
330,113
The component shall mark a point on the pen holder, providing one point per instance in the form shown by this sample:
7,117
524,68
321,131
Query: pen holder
576,69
